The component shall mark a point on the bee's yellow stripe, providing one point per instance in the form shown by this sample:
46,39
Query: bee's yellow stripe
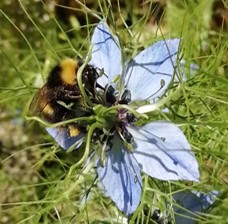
74,131
48,110
68,73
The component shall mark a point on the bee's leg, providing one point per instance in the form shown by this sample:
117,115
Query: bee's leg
68,95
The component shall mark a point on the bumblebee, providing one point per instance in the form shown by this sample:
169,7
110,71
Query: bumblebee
60,98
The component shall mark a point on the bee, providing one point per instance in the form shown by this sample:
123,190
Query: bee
60,98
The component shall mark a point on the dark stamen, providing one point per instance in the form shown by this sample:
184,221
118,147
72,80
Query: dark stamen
130,118
126,97
110,94
127,135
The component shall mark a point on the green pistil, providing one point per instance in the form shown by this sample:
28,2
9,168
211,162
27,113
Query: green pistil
108,114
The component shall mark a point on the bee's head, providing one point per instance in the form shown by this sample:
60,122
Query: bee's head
89,75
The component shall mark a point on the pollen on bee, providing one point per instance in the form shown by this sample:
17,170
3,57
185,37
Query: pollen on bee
73,131
68,73
47,109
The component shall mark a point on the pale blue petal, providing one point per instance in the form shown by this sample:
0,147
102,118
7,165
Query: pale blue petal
151,67
121,177
64,140
106,53
191,204
164,152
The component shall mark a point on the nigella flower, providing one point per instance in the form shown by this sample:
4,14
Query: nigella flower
190,205
159,148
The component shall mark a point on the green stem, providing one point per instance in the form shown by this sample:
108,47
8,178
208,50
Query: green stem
89,119
79,79
80,179
160,103
87,147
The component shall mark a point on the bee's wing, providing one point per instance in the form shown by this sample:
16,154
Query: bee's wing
39,101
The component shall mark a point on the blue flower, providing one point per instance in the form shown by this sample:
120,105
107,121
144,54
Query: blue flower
159,149
188,206
191,204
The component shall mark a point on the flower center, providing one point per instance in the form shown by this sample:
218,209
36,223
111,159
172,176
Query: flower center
113,114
